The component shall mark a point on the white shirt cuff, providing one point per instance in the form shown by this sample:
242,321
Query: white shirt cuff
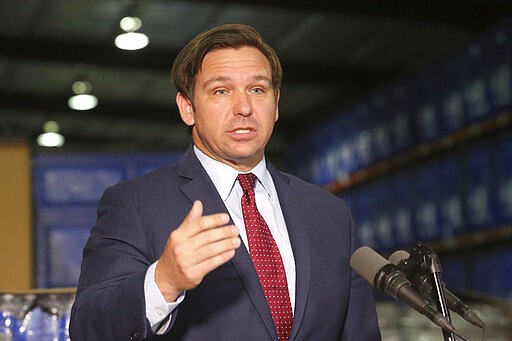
157,308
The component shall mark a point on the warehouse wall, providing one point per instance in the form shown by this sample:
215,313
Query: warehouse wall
15,218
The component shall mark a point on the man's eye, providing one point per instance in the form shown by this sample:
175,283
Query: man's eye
258,90
220,92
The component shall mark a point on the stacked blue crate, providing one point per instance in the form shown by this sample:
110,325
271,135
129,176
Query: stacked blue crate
317,166
399,116
345,148
492,273
382,215
451,203
332,162
476,87
455,272
65,200
401,207
469,190
453,116
506,270
364,218
504,181
427,208
363,137
380,127
480,206
298,156
499,75
427,104
67,188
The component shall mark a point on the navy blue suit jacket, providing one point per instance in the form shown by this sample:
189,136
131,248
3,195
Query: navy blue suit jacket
135,219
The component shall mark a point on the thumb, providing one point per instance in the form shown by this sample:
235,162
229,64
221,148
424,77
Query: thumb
196,211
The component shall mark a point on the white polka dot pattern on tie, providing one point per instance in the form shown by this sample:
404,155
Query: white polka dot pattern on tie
267,259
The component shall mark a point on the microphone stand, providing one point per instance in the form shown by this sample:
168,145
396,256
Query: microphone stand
433,264
424,260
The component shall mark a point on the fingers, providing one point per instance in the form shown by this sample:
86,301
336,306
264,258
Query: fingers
208,260
198,231
212,263
196,210
210,236
216,242
196,223
199,245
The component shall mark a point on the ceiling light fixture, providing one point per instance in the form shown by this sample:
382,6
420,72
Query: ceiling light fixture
130,39
82,98
50,136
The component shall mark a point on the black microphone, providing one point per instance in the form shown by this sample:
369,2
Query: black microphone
388,279
424,288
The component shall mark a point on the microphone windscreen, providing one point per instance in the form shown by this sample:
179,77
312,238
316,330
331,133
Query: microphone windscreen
398,256
367,263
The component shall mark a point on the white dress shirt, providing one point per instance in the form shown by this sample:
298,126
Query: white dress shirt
224,179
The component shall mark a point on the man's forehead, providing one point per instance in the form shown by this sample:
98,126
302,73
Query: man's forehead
247,52
223,64
227,78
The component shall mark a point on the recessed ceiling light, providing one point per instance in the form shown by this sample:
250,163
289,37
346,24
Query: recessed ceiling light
83,102
129,39
50,140
82,98
130,24
50,136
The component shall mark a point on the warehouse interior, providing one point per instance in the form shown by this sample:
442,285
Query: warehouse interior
407,103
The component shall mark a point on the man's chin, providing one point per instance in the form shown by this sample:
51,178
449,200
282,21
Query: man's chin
244,161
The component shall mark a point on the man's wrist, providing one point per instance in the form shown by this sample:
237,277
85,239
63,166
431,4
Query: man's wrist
169,292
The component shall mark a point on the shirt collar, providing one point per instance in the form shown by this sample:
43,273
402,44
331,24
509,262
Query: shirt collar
224,176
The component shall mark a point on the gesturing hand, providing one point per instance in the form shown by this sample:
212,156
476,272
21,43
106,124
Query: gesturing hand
199,245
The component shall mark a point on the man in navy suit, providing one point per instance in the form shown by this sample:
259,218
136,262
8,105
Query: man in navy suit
168,258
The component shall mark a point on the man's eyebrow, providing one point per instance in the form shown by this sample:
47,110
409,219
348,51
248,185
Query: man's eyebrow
228,79
216,79
263,78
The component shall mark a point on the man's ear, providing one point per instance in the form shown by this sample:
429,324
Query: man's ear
277,106
186,109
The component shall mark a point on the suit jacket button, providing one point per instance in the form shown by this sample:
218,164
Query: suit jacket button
135,336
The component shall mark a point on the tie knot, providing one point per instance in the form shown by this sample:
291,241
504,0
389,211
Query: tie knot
247,181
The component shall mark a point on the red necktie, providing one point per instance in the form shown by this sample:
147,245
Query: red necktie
267,259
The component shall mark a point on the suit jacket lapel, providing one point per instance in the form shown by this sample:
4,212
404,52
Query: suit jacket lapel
296,218
200,187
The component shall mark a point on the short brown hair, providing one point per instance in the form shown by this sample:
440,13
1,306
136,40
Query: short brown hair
187,64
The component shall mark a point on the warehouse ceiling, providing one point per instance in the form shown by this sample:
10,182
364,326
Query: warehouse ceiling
333,54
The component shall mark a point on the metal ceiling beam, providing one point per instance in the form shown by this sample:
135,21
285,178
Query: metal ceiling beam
470,15
160,60
114,110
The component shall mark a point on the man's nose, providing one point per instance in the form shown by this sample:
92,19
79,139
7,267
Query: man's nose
242,104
